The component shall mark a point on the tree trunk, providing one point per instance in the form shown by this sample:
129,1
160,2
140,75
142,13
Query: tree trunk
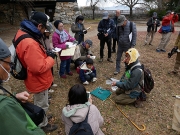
160,4
130,15
93,13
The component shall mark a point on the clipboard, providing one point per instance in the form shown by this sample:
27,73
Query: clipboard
68,52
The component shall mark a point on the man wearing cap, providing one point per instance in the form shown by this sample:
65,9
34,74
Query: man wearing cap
152,24
85,52
14,119
127,33
114,35
129,88
168,20
37,61
105,28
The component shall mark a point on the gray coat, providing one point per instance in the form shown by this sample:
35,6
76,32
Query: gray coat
84,52
123,35
75,29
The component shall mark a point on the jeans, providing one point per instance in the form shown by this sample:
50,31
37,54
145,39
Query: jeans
81,38
102,43
90,76
64,66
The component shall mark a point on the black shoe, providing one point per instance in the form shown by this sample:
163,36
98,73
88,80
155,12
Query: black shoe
113,51
49,128
49,116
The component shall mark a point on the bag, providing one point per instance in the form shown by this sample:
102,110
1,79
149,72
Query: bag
166,29
100,36
18,71
148,79
36,113
82,128
77,53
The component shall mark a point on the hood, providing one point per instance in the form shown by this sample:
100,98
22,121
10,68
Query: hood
77,113
29,26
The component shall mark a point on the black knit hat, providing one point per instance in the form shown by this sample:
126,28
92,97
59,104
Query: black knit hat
89,61
4,51
38,17
56,23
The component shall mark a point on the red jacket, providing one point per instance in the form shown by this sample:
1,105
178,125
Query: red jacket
38,64
166,21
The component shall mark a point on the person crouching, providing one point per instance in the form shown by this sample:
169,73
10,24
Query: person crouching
87,72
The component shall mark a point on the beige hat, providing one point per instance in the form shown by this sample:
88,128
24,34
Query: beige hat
121,20
134,55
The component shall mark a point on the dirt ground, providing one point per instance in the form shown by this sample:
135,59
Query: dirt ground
156,113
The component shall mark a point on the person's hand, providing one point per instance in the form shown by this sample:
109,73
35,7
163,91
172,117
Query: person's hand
88,56
90,99
75,42
113,84
23,96
106,34
51,54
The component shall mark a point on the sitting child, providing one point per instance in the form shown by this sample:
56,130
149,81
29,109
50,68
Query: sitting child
87,71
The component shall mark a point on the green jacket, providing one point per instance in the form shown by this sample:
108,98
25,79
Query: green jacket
14,120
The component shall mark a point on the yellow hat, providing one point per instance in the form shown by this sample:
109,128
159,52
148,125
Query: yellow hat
134,54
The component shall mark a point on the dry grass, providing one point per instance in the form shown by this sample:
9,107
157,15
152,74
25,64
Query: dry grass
157,111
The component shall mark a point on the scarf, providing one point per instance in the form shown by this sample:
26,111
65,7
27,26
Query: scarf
63,35
70,110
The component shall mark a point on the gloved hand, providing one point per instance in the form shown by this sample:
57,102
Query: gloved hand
86,82
94,79
67,46
84,31
75,42
51,54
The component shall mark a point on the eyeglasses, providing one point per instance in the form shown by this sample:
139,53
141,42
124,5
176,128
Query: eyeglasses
11,64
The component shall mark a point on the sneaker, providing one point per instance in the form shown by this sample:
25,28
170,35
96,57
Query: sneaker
49,116
50,91
158,50
101,60
163,50
49,128
137,103
63,76
94,79
86,82
116,72
145,44
110,60
70,73
54,85
173,72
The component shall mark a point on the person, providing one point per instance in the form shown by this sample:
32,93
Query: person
114,35
106,28
177,63
77,110
87,72
79,29
85,52
59,39
169,19
131,81
11,112
152,24
49,47
37,61
127,34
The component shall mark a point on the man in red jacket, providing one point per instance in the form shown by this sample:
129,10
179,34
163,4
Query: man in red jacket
37,61
168,20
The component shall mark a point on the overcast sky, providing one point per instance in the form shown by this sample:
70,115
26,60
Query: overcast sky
83,3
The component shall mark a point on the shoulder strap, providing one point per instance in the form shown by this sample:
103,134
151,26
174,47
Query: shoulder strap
86,119
136,68
131,25
15,43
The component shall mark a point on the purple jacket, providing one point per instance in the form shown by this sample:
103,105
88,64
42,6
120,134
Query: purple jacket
57,43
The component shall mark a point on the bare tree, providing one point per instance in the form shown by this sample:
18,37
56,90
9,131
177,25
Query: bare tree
129,3
93,4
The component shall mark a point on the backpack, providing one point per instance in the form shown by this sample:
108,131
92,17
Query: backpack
18,71
148,79
82,128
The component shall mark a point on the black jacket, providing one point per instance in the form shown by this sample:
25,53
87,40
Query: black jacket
151,25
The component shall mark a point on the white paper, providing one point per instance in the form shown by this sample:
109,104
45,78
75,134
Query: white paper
108,30
178,50
88,28
56,49
70,44
93,57
114,88
130,36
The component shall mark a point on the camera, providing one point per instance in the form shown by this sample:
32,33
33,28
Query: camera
173,51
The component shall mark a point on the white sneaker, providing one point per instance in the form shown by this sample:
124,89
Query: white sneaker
86,82
50,91
94,79
116,72
54,85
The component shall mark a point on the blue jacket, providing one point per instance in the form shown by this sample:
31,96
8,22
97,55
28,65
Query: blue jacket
114,35
106,26
83,72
